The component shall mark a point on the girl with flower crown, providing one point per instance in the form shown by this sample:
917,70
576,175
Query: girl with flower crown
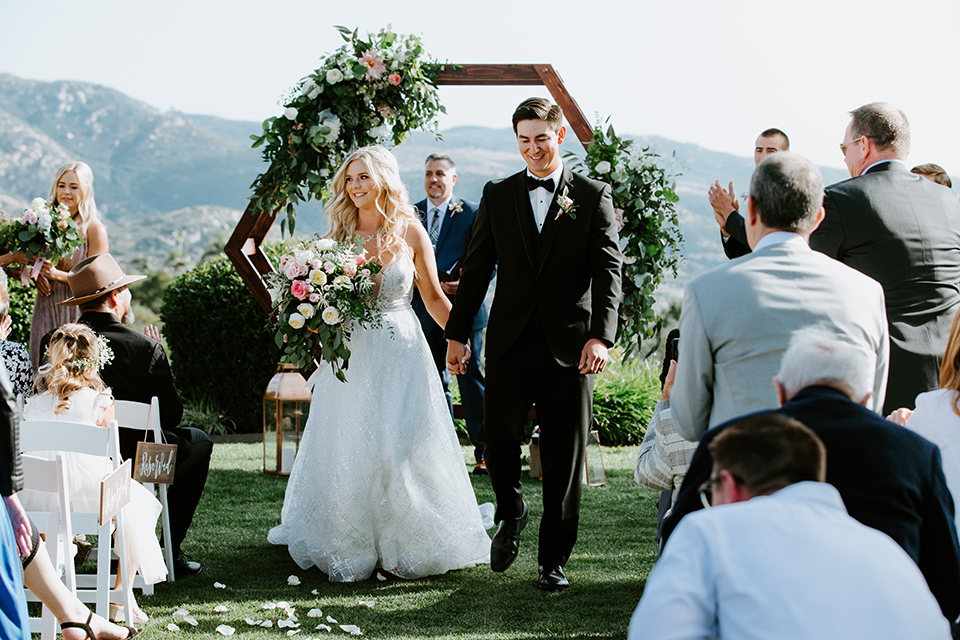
71,389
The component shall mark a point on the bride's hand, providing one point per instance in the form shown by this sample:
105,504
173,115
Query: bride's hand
458,355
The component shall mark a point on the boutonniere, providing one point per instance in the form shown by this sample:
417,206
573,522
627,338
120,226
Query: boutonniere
566,204
456,206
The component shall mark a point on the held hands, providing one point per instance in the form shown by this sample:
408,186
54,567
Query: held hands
450,288
723,203
458,355
594,357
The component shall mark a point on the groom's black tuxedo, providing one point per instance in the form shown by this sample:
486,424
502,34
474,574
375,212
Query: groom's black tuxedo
556,290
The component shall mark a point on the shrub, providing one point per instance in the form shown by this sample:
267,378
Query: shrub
21,310
623,401
205,415
221,350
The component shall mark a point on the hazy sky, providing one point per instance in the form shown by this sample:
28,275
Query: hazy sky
702,71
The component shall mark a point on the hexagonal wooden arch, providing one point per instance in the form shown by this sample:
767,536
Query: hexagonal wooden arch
244,248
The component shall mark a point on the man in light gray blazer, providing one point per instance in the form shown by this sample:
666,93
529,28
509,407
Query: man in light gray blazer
728,360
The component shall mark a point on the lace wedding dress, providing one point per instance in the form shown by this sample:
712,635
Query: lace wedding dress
379,479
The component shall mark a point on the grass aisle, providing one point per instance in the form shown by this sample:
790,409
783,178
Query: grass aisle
613,556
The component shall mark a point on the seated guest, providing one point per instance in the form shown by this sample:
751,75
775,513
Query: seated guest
138,372
778,556
737,318
890,478
933,173
937,416
664,454
15,356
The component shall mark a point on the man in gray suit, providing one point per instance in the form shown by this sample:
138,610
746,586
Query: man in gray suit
727,361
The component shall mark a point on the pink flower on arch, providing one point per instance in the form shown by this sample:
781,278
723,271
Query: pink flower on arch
299,289
373,61
394,79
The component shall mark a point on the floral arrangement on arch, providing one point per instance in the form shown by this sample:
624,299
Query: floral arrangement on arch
43,231
322,290
644,201
368,91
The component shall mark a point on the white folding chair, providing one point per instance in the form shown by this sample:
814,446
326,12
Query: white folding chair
146,417
49,476
76,437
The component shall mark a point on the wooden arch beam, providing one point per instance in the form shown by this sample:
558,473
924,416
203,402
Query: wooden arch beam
244,246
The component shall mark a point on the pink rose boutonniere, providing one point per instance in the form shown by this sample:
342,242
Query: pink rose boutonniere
567,206
455,206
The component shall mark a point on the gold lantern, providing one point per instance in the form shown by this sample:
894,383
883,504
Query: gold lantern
285,407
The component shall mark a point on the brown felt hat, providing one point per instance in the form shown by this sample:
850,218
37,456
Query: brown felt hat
95,276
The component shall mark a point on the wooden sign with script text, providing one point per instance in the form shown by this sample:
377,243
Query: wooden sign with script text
114,492
155,462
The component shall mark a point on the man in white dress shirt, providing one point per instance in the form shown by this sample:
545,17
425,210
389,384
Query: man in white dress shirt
787,561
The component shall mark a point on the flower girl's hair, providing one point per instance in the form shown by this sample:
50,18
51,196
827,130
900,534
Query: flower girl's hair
393,202
71,363
87,212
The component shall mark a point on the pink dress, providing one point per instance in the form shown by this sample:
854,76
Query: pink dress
47,315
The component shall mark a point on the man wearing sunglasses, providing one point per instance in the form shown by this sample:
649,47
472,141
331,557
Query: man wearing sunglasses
781,559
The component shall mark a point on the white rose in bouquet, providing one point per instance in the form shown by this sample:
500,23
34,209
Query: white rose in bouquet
291,113
382,131
38,204
334,76
324,244
296,320
343,282
44,220
603,167
306,310
331,315
318,277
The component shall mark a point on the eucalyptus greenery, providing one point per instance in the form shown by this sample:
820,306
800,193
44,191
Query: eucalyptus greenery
646,208
368,91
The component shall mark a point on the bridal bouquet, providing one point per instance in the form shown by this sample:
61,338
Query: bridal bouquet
323,289
42,231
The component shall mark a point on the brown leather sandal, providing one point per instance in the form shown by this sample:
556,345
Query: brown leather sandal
131,632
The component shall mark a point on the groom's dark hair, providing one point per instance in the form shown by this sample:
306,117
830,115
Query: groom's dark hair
538,109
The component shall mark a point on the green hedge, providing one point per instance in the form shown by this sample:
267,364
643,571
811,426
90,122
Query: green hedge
624,397
221,350
21,310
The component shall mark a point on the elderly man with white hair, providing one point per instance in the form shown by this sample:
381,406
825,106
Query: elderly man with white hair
890,478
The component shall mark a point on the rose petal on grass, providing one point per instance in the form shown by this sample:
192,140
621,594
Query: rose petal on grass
219,585
179,613
293,633
323,627
226,630
252,622
270,605
220,609
367,603
314,613
352,629
266,624
190,620
315,592
289,622
172,627
293,581
331,620
381,577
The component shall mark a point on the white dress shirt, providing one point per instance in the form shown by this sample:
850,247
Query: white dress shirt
540,199
442,208
935,420
792,565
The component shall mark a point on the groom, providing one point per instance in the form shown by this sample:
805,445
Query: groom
552,236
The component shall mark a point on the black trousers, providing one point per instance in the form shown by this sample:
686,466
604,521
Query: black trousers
193,461
528,374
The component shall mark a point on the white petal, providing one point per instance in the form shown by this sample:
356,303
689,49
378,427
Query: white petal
225,630
381,577
252,622
352,629
270,605
172,627
283,605
293,632
314,613
289,622
220,608
367,603
331,620
179,613
293,581
190,620
266,624
323,627
315,592
219,585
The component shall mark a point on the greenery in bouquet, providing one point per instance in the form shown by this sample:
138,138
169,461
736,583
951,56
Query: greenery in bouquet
645,204
368,91
42,231
323,289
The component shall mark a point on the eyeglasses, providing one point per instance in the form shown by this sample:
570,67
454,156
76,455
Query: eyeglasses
843,147
706,489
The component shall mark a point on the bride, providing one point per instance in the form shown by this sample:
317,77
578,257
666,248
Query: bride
379,479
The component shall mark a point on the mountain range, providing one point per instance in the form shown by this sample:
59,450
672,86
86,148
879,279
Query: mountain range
168,182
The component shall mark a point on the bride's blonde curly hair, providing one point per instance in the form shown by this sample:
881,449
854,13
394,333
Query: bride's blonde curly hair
70,345
393,201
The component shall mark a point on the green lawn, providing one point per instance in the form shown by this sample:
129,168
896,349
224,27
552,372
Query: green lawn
612,558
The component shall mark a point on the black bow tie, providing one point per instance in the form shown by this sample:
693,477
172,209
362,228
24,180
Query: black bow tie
534,183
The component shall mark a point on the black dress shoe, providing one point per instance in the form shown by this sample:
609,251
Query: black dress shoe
183,567
552,578
506,542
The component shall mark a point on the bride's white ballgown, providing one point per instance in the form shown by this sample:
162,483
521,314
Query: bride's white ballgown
380,479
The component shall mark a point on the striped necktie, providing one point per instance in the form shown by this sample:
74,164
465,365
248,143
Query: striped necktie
435,225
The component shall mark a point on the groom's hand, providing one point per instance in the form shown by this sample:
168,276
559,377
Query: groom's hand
593,358
458,354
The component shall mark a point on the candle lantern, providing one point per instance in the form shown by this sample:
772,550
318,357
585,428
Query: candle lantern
285,407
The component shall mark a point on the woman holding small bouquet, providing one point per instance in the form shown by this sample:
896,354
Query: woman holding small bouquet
73,188
380,480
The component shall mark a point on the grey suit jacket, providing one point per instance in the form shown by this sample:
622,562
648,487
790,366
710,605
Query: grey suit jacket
737,320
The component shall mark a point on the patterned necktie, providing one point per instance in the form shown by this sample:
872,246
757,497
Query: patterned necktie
435,226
